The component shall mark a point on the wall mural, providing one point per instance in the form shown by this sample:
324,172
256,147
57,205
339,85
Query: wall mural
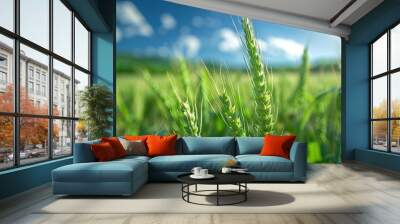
195,72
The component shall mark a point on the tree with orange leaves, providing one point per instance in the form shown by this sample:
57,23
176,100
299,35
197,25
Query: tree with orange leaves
33,131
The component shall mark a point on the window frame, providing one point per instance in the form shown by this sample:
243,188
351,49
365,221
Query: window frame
16,115
388,74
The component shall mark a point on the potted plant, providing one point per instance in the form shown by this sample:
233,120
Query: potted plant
96,102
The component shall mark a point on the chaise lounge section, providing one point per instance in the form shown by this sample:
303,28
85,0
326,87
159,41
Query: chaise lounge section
125,176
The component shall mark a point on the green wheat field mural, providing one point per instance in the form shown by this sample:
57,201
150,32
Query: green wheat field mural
196,96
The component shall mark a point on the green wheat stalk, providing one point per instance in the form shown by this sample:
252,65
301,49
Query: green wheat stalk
304,70
188,110
261,89
168,104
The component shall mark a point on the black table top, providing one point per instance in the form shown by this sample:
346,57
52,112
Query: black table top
220,178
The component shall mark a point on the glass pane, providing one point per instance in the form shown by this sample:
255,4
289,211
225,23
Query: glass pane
81,45
34,72
7,14
62,89
379,97
33,139
395,47
379,135
379,55
395,138
81,131
395,94
35,21
81,82
6,142
62,29
62,138
6,74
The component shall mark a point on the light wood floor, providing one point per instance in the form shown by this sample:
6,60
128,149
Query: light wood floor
379,189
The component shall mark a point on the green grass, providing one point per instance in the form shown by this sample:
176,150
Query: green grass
316,120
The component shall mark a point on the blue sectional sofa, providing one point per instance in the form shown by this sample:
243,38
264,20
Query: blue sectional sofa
125,176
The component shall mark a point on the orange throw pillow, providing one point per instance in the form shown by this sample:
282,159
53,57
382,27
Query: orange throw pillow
161,145
277,145
103,152
136,138
116,145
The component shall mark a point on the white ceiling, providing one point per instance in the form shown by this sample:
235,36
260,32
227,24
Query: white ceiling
326,16
321,9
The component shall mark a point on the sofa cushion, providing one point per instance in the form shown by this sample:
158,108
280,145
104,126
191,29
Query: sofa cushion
103,152
161,145
83,152
277,145
208,145
185,163
257,163
112,171
249,145
116,145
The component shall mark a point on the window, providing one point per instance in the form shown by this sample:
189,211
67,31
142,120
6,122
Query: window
3,61
385,94
6,142
81,45
81,82
30,72
47,77
62,74
30,87
7,14
38,89
62,29
37,75
35,21
6,73
3,78
62,137
44,91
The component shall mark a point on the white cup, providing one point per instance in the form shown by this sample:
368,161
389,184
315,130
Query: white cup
196,171
203,172
226,170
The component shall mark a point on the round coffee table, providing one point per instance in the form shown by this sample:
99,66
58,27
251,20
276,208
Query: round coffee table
238,179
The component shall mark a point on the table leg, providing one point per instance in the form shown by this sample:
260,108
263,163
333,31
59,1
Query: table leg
188,190
217,194
195,188
245,193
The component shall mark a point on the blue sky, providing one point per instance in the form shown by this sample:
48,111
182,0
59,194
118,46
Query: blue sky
160,28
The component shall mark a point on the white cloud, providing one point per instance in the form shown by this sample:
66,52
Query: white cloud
118,34
168,22
288,47
199,22
262,44
188,45
132,18
229,40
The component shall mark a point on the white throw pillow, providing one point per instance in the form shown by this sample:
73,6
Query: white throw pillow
137,148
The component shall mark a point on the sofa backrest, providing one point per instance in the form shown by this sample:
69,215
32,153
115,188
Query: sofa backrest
249,145
83,152
206,145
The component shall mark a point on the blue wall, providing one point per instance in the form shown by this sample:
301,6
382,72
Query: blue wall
100,17
356,84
